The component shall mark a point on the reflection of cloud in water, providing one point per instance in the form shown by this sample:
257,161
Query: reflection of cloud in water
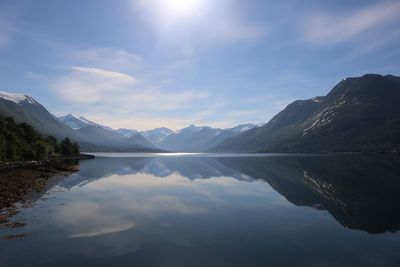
122,202
89,219
104,231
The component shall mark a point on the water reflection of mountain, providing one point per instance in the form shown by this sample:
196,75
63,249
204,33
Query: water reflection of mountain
361,192
191,168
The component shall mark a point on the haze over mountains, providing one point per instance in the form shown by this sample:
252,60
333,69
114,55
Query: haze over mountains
189,139
93,136
359,115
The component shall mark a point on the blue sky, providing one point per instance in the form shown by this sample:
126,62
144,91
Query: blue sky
148,63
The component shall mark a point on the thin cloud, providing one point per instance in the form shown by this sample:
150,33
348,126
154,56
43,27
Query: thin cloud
105,74
120,102
91,85
102,57
327,28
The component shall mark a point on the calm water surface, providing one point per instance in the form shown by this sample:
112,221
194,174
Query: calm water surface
203,210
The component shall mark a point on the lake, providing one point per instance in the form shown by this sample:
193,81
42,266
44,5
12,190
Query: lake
214,210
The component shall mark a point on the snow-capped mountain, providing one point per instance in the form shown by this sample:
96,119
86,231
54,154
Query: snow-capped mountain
243,127
126,132
78,123
191,129
24,108
17,98
158,135
103,135
200,138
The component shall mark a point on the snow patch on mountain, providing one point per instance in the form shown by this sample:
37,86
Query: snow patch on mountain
243,127
192,128
126,132
78,123
157,135
17,98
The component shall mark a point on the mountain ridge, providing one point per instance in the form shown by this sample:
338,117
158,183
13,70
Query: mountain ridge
360,114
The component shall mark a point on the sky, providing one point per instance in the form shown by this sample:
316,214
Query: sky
143,64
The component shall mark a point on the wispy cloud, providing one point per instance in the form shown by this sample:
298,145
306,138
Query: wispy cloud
329,28
106,74
117,99
91,85
102,57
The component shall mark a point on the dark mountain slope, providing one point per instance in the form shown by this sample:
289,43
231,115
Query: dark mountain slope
256,138
26,109
393,78
359,114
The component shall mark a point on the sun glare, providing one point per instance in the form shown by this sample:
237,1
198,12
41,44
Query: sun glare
167,15
184,5
183,8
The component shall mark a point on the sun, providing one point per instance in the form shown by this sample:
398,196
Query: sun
183,8
173,15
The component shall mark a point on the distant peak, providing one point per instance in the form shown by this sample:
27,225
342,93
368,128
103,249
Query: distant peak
69,115
86,120
243,127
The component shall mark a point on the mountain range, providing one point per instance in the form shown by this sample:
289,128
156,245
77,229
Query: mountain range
189,139
360,114
92,136
198,139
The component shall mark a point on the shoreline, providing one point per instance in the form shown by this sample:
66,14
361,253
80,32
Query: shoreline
19,179
18,164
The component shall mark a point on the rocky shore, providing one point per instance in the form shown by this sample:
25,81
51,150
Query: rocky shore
18,179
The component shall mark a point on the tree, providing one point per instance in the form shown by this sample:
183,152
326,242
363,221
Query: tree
40,150
2,146
75,149
23,142
28,153
66,148
29,134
